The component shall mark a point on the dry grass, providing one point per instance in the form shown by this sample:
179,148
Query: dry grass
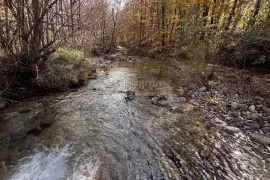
65,68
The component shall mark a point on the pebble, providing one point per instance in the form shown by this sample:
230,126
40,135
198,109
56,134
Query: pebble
234,105
260,139
243,107
266,129
232,130
181,100
252,108
163,103
202,89
218,122
253,125
267,111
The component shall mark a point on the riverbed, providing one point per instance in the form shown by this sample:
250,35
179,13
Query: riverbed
96,133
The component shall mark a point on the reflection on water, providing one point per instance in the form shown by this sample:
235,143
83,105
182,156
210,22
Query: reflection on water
96,134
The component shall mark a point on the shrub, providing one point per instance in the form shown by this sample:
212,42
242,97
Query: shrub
65,68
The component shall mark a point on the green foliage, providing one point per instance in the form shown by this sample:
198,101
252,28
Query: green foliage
65,68
2,53
247,48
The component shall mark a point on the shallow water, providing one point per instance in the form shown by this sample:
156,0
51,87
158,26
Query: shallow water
98,135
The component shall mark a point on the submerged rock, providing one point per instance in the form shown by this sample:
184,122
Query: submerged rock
4,154
260,139
3,104
232,130
131,95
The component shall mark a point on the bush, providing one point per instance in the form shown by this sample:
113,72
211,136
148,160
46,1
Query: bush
65,68
247,48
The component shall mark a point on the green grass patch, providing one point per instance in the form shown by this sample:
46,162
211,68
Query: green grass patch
65,68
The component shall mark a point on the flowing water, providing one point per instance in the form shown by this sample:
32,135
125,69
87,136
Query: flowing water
97,134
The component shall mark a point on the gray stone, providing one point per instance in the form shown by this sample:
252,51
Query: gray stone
180,91
131,95
253,125
254,117
252,108
243,107
260,139
259,107
266,129
163,103
202,89
235,114
154,100
232,130
267,111
234,105
177,109
181,100
218,122
3,104
257,98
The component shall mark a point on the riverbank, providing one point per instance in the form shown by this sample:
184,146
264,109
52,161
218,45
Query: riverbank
64,69
136,115
227,99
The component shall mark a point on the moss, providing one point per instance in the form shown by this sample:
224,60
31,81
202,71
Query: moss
65,68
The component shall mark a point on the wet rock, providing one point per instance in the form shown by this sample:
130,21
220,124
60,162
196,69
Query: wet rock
154,100
29,142
236,122
266,130
93,77
259,107
24,110
4,154
180,91
131,95
163,103
267,111
178,110
181,100
202,89
260,139
257,98
3,104
251,125
218,122
252,108
243,107
235,114
160,100
232,130
254,117
234,105
4,139
113,57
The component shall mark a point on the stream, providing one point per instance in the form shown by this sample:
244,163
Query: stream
94,133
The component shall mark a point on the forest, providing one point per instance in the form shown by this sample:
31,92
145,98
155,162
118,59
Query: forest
134,89
233,33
